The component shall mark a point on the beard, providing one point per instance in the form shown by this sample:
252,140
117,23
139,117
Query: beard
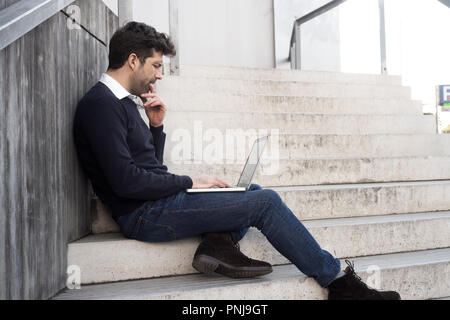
140,86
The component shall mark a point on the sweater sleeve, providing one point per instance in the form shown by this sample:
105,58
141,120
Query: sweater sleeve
105,127
159,138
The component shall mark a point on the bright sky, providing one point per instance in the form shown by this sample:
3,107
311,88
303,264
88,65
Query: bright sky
417,43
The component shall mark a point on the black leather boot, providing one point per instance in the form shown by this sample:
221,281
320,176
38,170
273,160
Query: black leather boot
351,287
218,253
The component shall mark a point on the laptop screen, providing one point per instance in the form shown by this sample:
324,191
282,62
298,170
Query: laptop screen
252,162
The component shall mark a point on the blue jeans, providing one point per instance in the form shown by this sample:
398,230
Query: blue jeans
185,215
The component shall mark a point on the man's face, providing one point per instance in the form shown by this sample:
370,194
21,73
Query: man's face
146,74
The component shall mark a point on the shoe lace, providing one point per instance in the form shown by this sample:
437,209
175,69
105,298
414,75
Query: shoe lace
351,267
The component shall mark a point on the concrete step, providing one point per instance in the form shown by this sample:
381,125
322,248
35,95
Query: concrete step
313,146
217,72
111,257
182,124
337,201
231,102
175,85
272,172
415,275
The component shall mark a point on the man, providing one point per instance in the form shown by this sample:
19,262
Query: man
123,157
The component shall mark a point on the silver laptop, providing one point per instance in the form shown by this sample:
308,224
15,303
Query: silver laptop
247,173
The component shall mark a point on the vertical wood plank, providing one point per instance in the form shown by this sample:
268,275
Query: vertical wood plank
44,198
3,195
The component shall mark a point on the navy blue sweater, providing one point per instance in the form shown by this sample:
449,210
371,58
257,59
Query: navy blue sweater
122,157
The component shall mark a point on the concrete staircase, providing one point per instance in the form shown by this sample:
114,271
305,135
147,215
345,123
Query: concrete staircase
352,156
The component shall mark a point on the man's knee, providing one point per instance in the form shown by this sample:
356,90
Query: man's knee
270,196
255,186
268,201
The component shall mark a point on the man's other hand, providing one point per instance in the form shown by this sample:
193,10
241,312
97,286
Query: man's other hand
204,181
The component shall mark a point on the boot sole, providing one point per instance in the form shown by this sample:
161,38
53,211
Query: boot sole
209,265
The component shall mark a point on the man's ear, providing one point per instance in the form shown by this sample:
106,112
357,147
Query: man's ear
133,61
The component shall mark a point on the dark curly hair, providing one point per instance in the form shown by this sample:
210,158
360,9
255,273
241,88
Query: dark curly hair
140,39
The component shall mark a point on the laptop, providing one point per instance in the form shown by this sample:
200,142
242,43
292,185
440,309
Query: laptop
247,173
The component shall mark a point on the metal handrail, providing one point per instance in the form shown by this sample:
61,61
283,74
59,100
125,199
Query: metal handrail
294,47
445,2
23,16
323,9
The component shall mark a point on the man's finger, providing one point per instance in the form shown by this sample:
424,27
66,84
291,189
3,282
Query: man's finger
221,184
149,102
152,89
205,186
156,102
155,106
149,95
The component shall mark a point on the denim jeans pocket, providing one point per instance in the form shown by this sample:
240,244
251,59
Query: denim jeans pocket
148,231
127,222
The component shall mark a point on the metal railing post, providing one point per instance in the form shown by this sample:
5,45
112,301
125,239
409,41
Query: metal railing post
437,109
125,11
382,38
292,54
173,31
298,48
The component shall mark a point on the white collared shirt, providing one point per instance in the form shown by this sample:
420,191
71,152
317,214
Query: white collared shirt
114,85
120,92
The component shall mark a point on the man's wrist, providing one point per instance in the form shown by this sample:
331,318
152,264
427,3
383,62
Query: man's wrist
156,130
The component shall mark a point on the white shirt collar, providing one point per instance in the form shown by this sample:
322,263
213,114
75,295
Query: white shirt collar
113,85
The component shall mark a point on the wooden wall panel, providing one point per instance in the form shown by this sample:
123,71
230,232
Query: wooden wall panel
6,3
44,195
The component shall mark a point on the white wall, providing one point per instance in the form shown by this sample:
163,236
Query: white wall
319,37
360,36
112,4
153,12
227,32
216,32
